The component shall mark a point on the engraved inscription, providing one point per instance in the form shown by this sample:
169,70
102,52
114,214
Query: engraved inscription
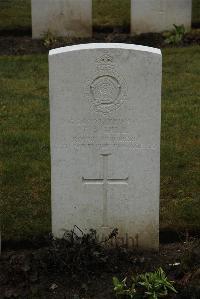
103,141
110,125
104,133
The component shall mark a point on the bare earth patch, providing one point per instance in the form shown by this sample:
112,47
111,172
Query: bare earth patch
83,268
21,45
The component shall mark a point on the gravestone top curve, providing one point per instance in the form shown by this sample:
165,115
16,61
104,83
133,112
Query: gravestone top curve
95,46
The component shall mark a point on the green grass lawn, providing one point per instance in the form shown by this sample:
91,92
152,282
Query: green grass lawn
25,166
25,163
16,14
196,11
180,143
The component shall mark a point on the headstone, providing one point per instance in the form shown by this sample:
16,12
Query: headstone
159,15
62,18
105,141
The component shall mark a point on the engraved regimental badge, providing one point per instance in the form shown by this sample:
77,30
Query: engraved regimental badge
107,89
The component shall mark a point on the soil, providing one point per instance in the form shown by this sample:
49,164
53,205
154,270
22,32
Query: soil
21,45
81,268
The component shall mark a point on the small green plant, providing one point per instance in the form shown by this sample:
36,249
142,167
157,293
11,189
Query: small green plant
175,37
121,289
151,285
49,39
156,284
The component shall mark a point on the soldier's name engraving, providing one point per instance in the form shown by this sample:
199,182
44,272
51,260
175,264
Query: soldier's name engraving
111,125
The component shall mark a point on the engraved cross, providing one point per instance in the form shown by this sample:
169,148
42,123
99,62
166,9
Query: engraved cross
105,181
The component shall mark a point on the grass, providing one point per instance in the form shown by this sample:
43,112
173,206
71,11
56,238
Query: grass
25,167
16,14
196,12
180,146
25,163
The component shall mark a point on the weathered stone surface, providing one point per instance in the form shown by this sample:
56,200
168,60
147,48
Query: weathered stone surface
62,18
105,140
159,15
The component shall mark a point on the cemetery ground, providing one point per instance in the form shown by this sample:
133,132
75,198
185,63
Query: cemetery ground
25,190
25,154
33,266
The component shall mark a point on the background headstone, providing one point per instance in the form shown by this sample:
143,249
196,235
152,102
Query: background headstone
62,18
159,15
105,140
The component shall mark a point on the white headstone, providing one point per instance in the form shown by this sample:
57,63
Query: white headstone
105,140
62,18
159,15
